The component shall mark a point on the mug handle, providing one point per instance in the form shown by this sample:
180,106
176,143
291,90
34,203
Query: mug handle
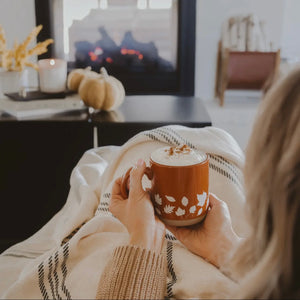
126,179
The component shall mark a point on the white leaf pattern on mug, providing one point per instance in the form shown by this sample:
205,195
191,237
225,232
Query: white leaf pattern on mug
200,211
171,199
157,199
192,209
179,212
201,198
168,209
185,201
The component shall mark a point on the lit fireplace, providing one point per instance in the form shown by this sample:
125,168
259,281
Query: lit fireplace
130,56
149,45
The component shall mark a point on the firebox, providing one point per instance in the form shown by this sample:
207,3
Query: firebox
149,45
129,56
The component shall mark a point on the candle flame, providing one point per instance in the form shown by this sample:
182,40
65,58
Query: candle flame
52,62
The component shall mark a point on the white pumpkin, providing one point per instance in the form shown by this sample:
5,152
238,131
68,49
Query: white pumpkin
77,75
102,92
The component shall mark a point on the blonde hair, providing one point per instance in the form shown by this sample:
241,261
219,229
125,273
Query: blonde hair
272,179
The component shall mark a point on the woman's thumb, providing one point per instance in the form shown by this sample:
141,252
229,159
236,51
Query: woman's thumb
136,176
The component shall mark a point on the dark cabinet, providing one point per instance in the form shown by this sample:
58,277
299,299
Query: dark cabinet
36,160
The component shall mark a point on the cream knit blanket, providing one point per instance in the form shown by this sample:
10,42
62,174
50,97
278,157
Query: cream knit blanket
66,257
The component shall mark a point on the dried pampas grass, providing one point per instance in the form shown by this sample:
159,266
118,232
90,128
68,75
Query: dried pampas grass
16,59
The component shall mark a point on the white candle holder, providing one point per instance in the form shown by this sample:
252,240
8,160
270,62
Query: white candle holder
52,75
12,81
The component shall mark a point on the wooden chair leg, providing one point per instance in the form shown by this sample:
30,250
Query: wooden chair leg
218,71
222,87
224,77
222,95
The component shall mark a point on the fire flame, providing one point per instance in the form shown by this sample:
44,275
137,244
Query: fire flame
109,60
94,54
124,51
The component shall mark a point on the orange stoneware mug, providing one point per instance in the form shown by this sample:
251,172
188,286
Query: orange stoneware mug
180,184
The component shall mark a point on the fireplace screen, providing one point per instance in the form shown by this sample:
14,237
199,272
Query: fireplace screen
147,44
140,36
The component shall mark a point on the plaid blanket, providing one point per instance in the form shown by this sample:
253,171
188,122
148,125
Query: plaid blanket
65,258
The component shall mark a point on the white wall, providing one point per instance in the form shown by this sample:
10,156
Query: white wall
17,18
291,28
210,16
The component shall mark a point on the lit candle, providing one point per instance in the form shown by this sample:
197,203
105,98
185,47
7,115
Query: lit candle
52,75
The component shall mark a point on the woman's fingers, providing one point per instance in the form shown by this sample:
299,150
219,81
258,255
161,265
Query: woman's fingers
117,200
136,176
116,189
214,200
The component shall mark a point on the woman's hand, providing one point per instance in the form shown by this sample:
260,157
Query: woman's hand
214,238
137,212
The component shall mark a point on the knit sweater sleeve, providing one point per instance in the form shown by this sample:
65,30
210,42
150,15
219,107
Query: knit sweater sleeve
133,273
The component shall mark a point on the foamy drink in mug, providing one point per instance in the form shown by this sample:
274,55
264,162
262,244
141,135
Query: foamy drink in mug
180,183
